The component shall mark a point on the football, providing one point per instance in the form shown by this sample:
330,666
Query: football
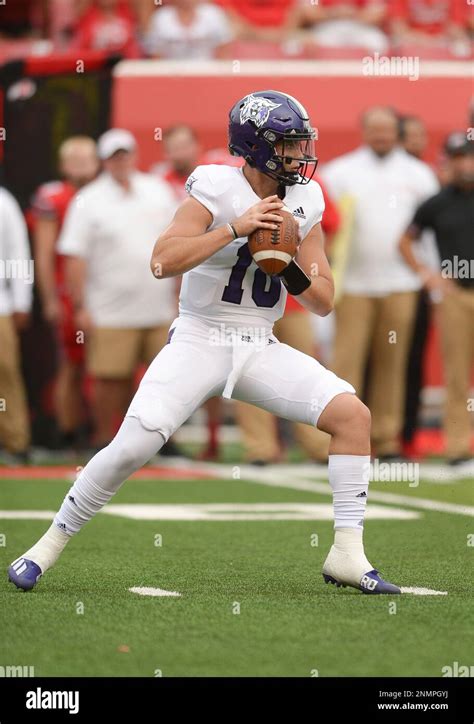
273,249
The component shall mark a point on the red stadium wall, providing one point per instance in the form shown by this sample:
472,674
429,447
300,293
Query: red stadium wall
148,95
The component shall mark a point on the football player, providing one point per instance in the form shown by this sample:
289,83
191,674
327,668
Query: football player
222,343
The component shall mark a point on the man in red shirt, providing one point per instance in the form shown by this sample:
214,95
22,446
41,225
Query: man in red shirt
344,23
259,13
428,21
78,165
107,25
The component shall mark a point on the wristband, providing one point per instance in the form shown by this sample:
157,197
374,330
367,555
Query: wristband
232,231
294,279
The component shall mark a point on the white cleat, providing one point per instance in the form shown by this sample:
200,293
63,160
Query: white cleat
353,569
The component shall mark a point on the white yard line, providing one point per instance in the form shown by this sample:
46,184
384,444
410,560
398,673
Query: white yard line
422,591
246,512
296,478
144,591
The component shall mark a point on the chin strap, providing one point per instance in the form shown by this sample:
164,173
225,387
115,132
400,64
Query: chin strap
294,278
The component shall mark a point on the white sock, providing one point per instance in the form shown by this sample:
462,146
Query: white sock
349,540
49,547
349,480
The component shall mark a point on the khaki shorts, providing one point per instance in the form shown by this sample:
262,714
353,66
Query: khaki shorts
115,353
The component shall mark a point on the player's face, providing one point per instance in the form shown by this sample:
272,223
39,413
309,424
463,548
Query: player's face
294,153
182,150
381,133
79,166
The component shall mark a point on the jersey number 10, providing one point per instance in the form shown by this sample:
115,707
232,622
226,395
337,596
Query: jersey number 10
233,290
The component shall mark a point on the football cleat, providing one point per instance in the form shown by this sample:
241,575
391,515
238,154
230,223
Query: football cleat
370,582
24,573
342,569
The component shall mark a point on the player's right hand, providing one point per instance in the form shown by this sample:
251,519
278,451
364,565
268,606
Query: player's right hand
261,216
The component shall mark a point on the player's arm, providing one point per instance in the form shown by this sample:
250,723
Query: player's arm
44,245
187,243
311,257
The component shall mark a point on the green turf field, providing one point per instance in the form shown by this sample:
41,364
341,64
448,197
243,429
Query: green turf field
290,623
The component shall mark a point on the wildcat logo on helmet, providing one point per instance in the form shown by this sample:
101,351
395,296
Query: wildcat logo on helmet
256,110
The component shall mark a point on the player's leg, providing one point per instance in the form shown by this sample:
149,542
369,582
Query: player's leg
131,448
295,329
184,374
295,386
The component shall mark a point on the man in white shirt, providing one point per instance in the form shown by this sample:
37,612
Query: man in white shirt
16,285
121,313
375,313
188,29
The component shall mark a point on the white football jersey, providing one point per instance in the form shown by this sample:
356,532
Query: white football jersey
229,288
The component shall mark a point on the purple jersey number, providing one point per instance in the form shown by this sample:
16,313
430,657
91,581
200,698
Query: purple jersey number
262,297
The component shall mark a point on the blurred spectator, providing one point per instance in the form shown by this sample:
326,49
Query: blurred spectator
428,21
258,19
374,316
414,139
260,13
450,215
182,155
413,136
124,312
16,284
258,427
107,25
188,29
78,165
343,23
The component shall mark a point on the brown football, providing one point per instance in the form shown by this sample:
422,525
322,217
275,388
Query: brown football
273,249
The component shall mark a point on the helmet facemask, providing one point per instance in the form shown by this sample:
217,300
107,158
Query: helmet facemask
288,148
